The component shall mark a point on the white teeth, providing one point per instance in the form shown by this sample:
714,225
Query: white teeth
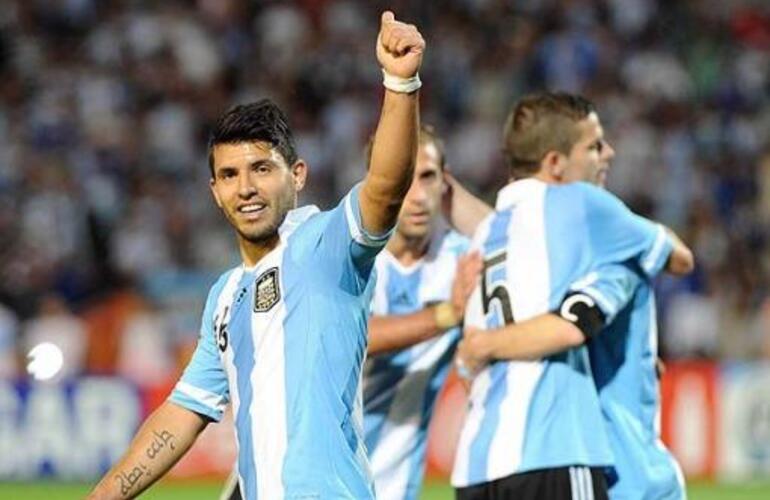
252,208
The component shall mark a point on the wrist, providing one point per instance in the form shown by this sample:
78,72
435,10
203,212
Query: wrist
445,316
400,84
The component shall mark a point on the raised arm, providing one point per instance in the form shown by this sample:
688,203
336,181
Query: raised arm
461,208
399,51
162,440
389,333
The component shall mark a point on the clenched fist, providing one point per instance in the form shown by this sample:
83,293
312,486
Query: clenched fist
399,47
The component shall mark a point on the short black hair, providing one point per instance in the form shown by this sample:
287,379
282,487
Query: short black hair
261,121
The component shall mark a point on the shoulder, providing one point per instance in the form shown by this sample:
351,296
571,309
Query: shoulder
592,196
585,201
453,243
221,282
302,230
495,225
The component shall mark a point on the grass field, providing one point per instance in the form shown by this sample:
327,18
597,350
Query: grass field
434,491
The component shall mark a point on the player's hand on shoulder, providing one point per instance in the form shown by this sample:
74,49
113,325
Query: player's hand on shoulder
400,46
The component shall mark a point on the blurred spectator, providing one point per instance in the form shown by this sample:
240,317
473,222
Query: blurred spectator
56,324
104,109
146,350
8,339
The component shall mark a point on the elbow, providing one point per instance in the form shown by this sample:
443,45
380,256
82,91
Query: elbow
682,262
375,343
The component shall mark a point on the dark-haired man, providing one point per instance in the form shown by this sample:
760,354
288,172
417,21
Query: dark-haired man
283,336
424,278
534,429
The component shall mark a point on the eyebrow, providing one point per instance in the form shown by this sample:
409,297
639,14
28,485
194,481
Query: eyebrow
262,161
255,163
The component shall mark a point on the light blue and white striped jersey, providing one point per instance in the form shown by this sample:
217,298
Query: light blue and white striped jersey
525,416
400,388
285,342
623,358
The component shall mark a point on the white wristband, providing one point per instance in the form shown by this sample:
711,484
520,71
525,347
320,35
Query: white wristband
401,85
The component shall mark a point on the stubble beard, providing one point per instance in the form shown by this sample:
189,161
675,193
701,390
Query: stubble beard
269,230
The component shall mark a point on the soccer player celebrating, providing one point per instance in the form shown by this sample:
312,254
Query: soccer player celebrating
612,311
283,335
423,284
534,429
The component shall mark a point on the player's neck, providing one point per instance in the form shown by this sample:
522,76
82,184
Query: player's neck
253,252
407,250
546,176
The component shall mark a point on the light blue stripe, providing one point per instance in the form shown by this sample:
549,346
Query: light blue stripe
296,348
243,359
482,443
387,370
479,450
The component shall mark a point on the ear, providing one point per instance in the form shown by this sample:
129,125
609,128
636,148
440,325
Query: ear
299,173
212,187
554,165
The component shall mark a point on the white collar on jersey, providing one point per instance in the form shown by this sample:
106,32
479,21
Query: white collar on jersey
515,191
294,218
435,244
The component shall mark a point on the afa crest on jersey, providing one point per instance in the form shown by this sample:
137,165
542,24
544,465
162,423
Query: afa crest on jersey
267,291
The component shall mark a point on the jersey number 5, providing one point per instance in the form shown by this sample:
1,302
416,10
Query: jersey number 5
498,290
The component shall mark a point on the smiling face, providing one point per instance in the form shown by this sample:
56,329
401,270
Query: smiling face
423,200
255,187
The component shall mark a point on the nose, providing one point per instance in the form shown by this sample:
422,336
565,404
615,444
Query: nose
609,151
417,193
246,187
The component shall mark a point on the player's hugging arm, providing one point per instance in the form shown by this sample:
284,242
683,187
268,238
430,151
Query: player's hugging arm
161,441
681,261
392,332
399,51
588,307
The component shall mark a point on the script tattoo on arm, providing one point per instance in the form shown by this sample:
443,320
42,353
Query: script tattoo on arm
130,479
162,439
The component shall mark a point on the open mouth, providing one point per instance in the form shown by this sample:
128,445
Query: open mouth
252,210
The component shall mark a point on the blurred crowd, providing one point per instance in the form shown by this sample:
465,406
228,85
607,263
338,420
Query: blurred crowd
108,235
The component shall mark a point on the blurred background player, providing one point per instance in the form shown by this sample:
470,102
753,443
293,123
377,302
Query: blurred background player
283,335
534,429
423,283
612,311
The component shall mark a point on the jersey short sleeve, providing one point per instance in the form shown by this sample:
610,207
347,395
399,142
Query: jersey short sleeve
617,234
612,287
203,386
344,236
